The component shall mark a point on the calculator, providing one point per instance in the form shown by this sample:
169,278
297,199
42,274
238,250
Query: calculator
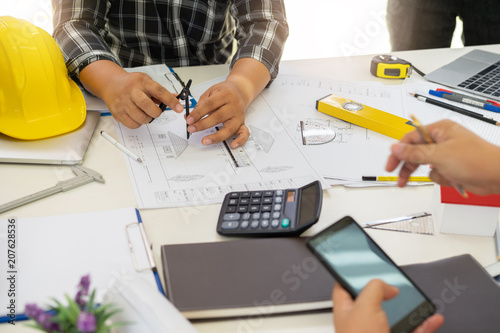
286,212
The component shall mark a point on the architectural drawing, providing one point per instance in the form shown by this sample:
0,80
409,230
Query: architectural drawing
262,138
181,172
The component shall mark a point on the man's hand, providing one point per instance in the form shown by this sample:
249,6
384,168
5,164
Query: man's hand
227,102
458,156
365,314
222,103
132,98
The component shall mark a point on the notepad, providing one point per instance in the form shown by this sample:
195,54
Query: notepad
54,252
245,277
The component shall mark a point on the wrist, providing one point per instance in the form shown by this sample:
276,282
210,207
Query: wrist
250,77
99,76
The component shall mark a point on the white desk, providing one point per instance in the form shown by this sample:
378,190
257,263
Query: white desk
197,224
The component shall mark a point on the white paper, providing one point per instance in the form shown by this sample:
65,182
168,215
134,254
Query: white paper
54,252
355,151
180,172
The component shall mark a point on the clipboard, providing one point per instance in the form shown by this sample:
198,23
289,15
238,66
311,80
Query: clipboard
147,248
55,251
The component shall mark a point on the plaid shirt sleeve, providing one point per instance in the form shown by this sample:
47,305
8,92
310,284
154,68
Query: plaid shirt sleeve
80,28
174,32
261,32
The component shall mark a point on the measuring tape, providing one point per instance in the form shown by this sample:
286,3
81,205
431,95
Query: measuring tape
391,67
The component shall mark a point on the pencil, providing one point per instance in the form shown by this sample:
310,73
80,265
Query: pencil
394,179
428,139
120,146
456,109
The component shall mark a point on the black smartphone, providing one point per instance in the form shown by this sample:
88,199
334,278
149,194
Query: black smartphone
354,259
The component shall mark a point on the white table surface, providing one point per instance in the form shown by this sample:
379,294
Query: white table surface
197,224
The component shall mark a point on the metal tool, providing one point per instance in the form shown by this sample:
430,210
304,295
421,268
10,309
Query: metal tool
83,176
392,67
419,223
183,96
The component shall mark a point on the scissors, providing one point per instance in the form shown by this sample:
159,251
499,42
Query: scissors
183,95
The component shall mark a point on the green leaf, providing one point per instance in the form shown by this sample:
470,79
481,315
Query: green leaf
73,308
90,304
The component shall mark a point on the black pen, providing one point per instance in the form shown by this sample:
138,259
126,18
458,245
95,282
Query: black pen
456,109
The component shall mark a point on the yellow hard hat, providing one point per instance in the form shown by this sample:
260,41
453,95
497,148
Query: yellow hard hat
37,98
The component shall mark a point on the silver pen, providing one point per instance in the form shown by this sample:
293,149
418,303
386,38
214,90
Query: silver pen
120,146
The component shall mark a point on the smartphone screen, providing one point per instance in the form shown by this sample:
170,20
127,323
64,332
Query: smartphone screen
354,259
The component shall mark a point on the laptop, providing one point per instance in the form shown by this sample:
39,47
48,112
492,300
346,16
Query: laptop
65,149
477,72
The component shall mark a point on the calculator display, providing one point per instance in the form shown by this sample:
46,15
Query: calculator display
308,204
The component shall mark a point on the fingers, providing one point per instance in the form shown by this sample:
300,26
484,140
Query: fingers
221,114
157,92
135,97
123,117
342,302
220,104
375,292
227,130
431,324
242,136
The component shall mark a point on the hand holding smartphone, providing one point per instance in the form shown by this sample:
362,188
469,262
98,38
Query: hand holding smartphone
354,259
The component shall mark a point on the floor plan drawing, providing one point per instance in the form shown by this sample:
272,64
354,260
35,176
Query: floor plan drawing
181,172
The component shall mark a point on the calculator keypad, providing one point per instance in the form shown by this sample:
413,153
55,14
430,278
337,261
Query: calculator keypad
254,211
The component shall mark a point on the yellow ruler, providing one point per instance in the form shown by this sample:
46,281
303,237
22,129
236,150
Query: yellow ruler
365,116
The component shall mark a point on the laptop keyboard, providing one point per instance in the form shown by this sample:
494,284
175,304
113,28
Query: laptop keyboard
487,81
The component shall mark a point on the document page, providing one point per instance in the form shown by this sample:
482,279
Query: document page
349,151
181,172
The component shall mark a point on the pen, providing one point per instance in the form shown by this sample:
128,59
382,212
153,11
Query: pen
428,139
120,146
395,178
149,253
485,104
455,108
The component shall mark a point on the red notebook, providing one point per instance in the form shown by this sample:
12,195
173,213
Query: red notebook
450,195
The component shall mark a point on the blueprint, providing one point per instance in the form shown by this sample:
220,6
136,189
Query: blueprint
352,151
181,172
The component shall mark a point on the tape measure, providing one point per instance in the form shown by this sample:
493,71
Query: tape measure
391,67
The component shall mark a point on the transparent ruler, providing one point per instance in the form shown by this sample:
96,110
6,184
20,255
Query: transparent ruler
420,223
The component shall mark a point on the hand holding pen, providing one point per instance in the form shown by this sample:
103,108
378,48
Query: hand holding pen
458,156
428,139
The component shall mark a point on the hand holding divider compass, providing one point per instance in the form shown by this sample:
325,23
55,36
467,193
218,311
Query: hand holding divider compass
184,96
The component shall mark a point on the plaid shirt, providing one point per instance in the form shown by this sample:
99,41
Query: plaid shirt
172,32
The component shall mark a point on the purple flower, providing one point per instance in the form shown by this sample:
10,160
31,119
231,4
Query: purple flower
79,299
84,283
86,322
83,290
43,318
33,311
